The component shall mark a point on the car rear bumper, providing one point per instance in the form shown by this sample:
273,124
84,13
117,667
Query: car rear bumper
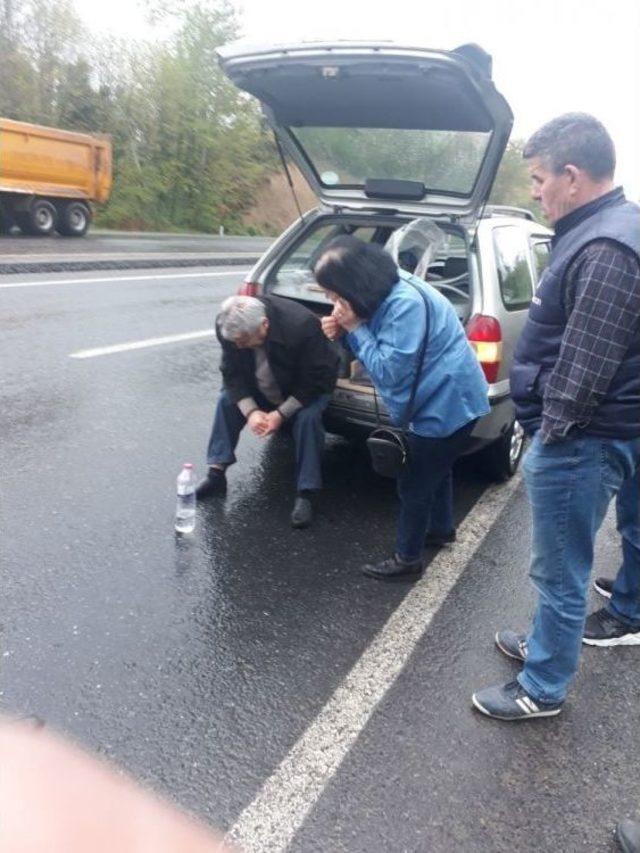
352,413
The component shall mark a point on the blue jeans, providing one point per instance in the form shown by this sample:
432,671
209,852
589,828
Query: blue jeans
425,489
307,428
570,485
625,598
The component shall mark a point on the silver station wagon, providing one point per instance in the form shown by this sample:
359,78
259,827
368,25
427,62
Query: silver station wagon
401,146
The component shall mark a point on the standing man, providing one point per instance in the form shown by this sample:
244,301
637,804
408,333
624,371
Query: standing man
277,367
576,385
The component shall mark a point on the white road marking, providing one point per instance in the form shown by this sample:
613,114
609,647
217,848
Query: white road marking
270,822
13,284
149,342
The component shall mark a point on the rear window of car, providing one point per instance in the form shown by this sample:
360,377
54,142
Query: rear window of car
444,161
514,271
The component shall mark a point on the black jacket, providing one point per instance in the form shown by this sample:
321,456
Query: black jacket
303,361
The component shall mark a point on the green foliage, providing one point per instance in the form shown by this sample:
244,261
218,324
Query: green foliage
512,185
189,149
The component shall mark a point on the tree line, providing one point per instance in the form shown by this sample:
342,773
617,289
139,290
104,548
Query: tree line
190,150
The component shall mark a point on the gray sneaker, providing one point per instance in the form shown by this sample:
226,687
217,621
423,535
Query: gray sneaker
627,834
511,702
604,586
512,645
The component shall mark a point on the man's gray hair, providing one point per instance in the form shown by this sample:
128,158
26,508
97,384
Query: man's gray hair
576,139
239,316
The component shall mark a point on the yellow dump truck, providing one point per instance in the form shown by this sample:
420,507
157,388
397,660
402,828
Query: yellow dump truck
50,179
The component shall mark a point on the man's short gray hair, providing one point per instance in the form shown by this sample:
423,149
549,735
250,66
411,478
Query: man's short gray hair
576,139
239,316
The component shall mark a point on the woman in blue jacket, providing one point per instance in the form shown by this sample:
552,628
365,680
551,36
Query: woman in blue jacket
385,320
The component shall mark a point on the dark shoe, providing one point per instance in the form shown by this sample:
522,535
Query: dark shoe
604,586
512,645
302,514
603,629
215,483
393,569
512,702
437,540
627,834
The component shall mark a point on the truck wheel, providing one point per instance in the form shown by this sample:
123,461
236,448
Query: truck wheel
40,220
22,221
499,461
74,219
5,220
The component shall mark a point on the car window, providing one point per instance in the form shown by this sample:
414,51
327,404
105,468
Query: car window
514,272
294,277
541,251
443,160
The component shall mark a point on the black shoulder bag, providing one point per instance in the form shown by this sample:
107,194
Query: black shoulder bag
389,447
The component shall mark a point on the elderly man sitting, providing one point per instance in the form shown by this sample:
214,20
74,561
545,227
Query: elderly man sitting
277,366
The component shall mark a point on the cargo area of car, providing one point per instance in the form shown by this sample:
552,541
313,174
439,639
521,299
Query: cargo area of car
436,251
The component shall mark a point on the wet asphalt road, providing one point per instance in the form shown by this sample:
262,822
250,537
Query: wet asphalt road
197,663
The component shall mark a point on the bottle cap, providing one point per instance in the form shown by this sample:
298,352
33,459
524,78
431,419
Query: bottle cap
188,465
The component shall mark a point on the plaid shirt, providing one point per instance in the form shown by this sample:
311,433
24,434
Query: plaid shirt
602,299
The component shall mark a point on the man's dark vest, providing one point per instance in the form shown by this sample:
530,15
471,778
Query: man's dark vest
618,415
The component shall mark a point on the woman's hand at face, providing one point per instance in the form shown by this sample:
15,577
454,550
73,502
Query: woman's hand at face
331,327
345,315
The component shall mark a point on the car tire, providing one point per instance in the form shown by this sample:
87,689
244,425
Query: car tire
40,220
74,219
499,462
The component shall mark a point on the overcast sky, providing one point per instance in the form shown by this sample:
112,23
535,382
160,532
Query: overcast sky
550,56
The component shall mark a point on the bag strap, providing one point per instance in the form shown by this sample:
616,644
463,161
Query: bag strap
423,348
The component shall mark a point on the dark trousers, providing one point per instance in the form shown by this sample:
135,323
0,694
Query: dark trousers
306,426
425,489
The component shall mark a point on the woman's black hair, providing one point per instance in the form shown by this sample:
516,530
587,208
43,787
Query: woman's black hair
362,273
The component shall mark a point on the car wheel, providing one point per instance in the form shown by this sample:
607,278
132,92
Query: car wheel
500,460
74,219
40,220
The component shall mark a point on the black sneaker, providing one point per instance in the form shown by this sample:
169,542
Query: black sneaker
604,586
512,645
393,569
302,514
627,834
603,629
437,540
512,702
215,483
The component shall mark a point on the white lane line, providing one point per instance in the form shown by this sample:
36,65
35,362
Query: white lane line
14,284
149,342
270,822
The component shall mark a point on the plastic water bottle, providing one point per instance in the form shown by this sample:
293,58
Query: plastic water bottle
186,500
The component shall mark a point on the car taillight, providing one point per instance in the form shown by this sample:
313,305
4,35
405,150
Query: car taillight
249,288
485,336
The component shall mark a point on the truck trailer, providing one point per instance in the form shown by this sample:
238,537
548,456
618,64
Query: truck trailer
50,179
